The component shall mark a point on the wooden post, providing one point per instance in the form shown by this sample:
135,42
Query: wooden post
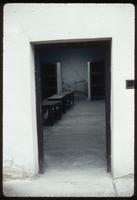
89,88
59,78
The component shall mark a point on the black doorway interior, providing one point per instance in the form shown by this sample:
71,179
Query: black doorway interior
97,80
48,74
46,86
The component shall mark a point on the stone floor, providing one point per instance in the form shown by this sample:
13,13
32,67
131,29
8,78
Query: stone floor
77,141
75,159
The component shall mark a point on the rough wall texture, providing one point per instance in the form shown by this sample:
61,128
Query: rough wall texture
13,171
76,86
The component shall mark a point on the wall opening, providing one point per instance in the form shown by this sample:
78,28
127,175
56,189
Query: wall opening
72,90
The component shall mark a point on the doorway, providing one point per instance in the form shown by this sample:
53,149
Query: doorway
99,87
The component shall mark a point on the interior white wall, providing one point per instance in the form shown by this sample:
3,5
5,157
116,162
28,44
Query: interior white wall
25,23
74,64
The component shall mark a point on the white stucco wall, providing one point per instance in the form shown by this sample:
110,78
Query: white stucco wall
25,23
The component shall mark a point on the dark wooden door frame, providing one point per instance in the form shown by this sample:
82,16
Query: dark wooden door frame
40,136
108,106
39,109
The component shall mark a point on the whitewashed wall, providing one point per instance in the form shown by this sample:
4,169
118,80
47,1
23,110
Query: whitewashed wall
25,23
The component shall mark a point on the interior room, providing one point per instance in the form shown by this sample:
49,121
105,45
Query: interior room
76,140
